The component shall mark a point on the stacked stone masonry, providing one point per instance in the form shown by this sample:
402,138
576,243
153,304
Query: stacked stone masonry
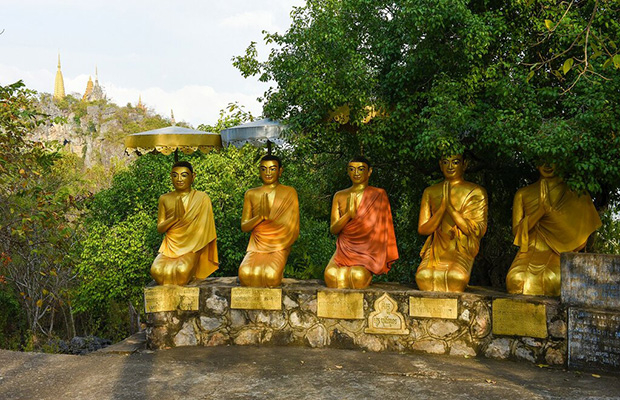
469,334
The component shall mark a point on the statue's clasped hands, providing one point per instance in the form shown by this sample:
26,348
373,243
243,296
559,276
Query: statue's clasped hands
545,200
265,210
352,205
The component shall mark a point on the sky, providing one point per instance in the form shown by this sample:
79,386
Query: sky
176,55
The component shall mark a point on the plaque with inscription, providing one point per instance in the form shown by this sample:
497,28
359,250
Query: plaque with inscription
170,298
591,280
430,307
253,298
385,319
519,318
593,339
340,305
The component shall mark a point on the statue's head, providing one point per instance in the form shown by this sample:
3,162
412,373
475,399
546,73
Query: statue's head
453,167
546,170
182,175
270,169
359,170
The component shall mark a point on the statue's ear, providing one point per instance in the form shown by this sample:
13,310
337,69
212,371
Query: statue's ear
369,171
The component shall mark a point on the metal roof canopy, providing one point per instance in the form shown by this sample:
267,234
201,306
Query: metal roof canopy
171,139
257,133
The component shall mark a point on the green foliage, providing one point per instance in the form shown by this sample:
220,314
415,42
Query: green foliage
489,78
234,114
39,209
12,323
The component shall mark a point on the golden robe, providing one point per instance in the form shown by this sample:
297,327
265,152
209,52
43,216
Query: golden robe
193,238
271,240
536,268
448,250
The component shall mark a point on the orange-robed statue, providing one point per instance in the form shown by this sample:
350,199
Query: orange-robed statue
362,219
547,219
271,213
189,248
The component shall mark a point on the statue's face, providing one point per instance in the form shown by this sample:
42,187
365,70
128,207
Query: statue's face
182,178
359,172
269,172
453,167
547,170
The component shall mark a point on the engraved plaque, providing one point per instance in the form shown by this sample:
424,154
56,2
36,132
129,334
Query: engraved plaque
591,280
385,319
429,307
170,298
519,318
593,339
340,305
251,298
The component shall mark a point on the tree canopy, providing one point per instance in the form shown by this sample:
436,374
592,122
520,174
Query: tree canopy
513,83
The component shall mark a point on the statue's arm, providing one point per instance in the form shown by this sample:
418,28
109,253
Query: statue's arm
429,222
163,223
338,221
249,222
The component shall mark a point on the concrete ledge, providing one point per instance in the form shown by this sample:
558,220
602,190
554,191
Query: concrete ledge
469,332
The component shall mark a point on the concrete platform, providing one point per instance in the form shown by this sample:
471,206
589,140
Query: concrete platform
249,372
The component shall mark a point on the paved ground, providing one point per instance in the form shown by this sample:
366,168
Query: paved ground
236,372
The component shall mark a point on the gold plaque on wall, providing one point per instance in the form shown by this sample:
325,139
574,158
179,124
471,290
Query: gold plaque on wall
385,319
252,298
430,307
519,318
340,305
170,298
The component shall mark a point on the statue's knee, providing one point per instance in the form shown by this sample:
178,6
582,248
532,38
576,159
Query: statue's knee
457,280
245,274
331,272
360,277
551,283
272,277
515,280
424,279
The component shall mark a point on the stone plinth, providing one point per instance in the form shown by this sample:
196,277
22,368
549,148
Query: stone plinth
591,289
591,280
407,320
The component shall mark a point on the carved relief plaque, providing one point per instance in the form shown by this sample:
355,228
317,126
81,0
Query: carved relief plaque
341,305
430,307
385,319
170,298
519,318
251,298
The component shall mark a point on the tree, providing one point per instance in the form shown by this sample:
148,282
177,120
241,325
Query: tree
39,214
490,78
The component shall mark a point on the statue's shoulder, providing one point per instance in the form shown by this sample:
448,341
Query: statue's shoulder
342,193
287,189
474,188
253,191
201,195
434,190
529,190
167,197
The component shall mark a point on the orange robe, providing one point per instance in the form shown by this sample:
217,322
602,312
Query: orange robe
271,240
536,267
193,234
368,240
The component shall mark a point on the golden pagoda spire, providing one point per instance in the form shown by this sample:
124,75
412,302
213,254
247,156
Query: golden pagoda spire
172,117
89,88
140,106
59,83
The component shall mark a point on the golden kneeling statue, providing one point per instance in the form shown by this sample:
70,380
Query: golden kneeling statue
189,249
547,219
454,215
362,219
271,213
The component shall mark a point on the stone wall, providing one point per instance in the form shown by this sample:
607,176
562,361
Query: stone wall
469,332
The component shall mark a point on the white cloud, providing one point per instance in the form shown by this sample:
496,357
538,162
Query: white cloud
262,20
